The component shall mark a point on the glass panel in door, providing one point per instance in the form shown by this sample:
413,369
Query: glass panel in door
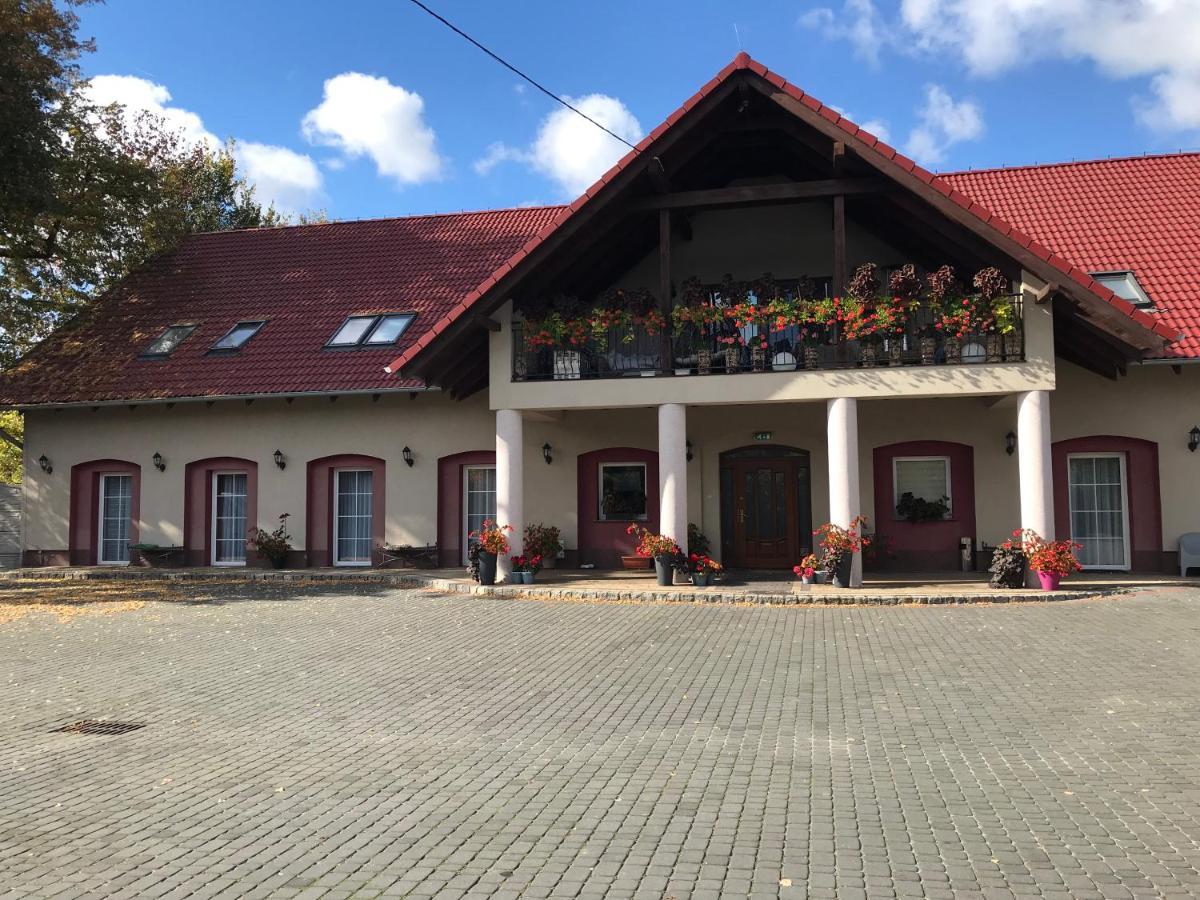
1099,519
352,524
116,509
229,518
479,501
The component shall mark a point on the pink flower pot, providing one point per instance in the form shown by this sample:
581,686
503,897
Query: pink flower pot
1049,580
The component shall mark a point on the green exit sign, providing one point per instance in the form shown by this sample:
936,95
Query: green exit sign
762,435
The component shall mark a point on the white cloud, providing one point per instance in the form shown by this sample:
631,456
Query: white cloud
363,115
1152,39
859,23
569,149
943,122
289,179
137,96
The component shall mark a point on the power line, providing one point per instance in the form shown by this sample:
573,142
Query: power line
553,96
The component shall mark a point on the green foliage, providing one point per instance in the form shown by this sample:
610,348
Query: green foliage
11,459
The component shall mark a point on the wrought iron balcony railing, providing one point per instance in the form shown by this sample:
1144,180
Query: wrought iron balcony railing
726,349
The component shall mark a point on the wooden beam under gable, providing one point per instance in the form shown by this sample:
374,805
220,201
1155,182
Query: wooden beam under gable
750,194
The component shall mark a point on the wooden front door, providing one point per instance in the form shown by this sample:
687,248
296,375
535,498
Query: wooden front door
766,519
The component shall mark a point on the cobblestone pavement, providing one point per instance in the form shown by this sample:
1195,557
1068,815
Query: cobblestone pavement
390,743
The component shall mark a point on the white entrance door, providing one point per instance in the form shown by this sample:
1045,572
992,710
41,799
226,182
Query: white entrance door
479,501
1099,509
229,519
116,511
352,517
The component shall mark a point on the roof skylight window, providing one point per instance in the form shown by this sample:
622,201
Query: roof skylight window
1126,286
379,330
165,343
235,338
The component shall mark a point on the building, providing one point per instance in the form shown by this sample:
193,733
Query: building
389,382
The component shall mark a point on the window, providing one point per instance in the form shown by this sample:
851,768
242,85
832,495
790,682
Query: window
116,508
165,343
1099,513
1126,286
352,521
236,337
479,494
925,477
229,518
622,491
373,331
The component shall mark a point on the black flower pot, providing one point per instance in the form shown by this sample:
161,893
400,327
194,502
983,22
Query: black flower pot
487,568
841,573
664,571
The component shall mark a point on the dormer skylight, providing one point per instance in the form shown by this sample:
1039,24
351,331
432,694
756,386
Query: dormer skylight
164,345
1125,285
379,330
235,338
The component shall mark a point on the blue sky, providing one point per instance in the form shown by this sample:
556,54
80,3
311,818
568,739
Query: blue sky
371,108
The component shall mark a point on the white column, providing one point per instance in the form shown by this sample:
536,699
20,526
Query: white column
672,472
1033,460
510,479
844,502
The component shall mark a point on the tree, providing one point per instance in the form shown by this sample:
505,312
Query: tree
12,425
111,191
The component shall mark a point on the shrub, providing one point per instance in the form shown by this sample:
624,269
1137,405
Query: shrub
273,545
542,540
918,509
697,542
1008,566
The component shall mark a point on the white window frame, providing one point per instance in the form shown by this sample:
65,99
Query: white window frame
600,516
1120,457
352,563
216,476
466,514
949,494
104,476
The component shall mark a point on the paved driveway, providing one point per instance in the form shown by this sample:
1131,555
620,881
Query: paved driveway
401,744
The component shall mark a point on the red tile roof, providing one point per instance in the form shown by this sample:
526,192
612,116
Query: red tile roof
886,155
303,280
1140,214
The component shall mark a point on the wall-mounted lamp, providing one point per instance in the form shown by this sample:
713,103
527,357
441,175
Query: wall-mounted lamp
1010,443
280,459
45,464
408,456
1193,439
547,453
158,462
690,455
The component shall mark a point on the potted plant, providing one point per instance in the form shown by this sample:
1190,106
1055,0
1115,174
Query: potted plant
1008,565
940,288
273,545
525,567
838,546
807,570
492,540
918,509
1052,560
700,568
820,317
544,541
993,290
662,549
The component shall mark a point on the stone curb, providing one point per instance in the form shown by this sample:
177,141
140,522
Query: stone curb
448,586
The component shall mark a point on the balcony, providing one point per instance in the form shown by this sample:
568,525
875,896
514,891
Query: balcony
728,344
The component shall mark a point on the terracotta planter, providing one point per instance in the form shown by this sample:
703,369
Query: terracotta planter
1049,580
637,563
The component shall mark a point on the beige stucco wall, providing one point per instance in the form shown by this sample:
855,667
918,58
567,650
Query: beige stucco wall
1152,403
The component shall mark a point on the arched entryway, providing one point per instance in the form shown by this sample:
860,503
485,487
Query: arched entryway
766,507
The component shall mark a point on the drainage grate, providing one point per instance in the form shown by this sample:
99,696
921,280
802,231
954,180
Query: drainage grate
95,726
